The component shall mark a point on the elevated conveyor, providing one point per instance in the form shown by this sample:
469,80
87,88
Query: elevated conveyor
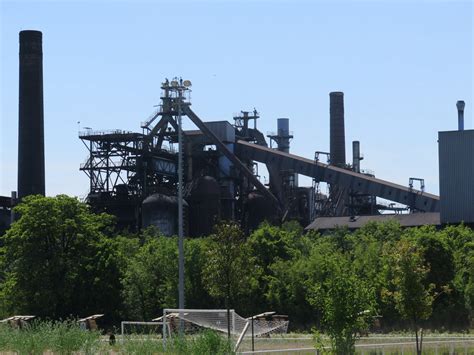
344,178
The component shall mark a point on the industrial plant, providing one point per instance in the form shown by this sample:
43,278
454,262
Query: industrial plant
136,175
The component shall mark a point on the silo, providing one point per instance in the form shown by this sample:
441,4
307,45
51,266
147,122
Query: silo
161,211
337,138
30,111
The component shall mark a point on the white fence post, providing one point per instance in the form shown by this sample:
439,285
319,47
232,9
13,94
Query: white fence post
164,328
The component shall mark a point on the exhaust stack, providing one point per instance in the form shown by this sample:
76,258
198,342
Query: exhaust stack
31,178
337,145
283,134
356,158
460,106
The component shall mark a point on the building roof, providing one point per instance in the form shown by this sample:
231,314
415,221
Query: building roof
15,318
355,222
92,317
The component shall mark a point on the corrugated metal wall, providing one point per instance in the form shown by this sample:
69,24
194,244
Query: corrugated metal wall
456,176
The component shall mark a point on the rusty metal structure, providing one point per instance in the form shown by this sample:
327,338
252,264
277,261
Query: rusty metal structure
134,175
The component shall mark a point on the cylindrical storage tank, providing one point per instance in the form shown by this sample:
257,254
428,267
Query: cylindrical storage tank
203,206
161,211
283,132
30,110
337,145
460,106
356,156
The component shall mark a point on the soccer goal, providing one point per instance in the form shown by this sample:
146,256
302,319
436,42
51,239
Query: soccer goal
191,321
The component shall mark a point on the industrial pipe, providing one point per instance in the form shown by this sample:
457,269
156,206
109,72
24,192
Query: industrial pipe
356,156
460,106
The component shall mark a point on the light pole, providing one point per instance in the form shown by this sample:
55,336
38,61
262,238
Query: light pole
180,206
179,87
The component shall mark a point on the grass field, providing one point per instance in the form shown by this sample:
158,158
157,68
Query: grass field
375,344
67,338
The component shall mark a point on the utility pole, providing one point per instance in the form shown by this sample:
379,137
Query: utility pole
179,87
180,206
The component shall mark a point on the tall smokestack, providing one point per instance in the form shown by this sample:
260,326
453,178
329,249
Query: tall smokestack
337,145
356,158
460,106
30,110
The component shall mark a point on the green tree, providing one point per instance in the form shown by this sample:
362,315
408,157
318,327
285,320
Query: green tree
229,269
346,302
275,250
413,297
287,291
469,286
271,243
58,260
150,278
438,256
289,281
382,232
197,296
461,241
372,264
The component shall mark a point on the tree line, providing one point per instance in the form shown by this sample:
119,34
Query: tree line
60,260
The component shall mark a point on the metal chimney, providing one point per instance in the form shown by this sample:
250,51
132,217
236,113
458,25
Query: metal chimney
356,156
460,106
283,133
337,146
31,126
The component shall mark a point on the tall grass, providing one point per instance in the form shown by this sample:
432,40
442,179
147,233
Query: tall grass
205,343
66,337
210,342
63,337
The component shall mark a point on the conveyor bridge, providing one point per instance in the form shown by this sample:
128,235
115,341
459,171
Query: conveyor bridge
343,178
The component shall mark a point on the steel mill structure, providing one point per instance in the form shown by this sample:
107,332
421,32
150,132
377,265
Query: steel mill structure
134,175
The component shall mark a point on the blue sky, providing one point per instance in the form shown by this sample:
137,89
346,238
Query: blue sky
401,64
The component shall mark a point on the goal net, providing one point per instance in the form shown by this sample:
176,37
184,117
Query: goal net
191,321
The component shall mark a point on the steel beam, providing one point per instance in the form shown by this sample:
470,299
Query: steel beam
344,178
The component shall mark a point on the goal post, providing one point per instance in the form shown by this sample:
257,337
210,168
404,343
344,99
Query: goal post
191,321
215,319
